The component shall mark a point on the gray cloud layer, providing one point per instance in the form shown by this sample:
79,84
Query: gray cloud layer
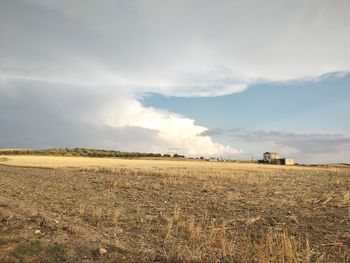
34,116
305,146
187,48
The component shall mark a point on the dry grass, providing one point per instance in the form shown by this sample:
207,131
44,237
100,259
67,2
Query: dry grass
217,243
144,164
179,211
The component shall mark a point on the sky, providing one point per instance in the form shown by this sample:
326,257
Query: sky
197,77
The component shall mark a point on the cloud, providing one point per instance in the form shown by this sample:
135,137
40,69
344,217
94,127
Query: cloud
306,146
181,48
39,114
82,66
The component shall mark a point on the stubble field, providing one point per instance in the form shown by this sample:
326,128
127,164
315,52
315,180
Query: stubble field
71,209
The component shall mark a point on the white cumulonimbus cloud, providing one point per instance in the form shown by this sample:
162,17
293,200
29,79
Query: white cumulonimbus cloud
112,53
39,114
176,131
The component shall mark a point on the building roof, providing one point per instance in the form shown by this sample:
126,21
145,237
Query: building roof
270,153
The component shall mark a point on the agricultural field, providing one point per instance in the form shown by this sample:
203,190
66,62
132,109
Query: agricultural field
75,209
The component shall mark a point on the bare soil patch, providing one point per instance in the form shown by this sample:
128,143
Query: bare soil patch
174,213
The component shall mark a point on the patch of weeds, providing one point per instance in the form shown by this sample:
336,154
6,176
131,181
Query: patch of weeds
3,241
116,249
6,217
55,253
12,228
81,251
25,249
35,251
95,253
39,220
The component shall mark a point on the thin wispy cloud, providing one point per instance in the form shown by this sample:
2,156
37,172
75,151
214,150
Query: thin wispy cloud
297,142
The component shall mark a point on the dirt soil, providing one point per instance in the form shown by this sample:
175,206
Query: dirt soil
130,215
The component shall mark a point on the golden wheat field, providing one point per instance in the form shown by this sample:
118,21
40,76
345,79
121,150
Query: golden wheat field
74,209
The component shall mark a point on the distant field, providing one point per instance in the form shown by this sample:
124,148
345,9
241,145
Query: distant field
61,161
74,209
11,149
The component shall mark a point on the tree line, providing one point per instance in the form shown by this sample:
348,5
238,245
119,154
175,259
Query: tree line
85,152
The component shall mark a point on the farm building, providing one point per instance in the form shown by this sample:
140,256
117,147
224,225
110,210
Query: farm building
274,158
282,161
269,156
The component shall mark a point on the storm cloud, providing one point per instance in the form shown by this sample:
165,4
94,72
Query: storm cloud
37,114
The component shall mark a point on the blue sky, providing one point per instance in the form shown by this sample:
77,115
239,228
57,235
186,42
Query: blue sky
301,106
198,77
